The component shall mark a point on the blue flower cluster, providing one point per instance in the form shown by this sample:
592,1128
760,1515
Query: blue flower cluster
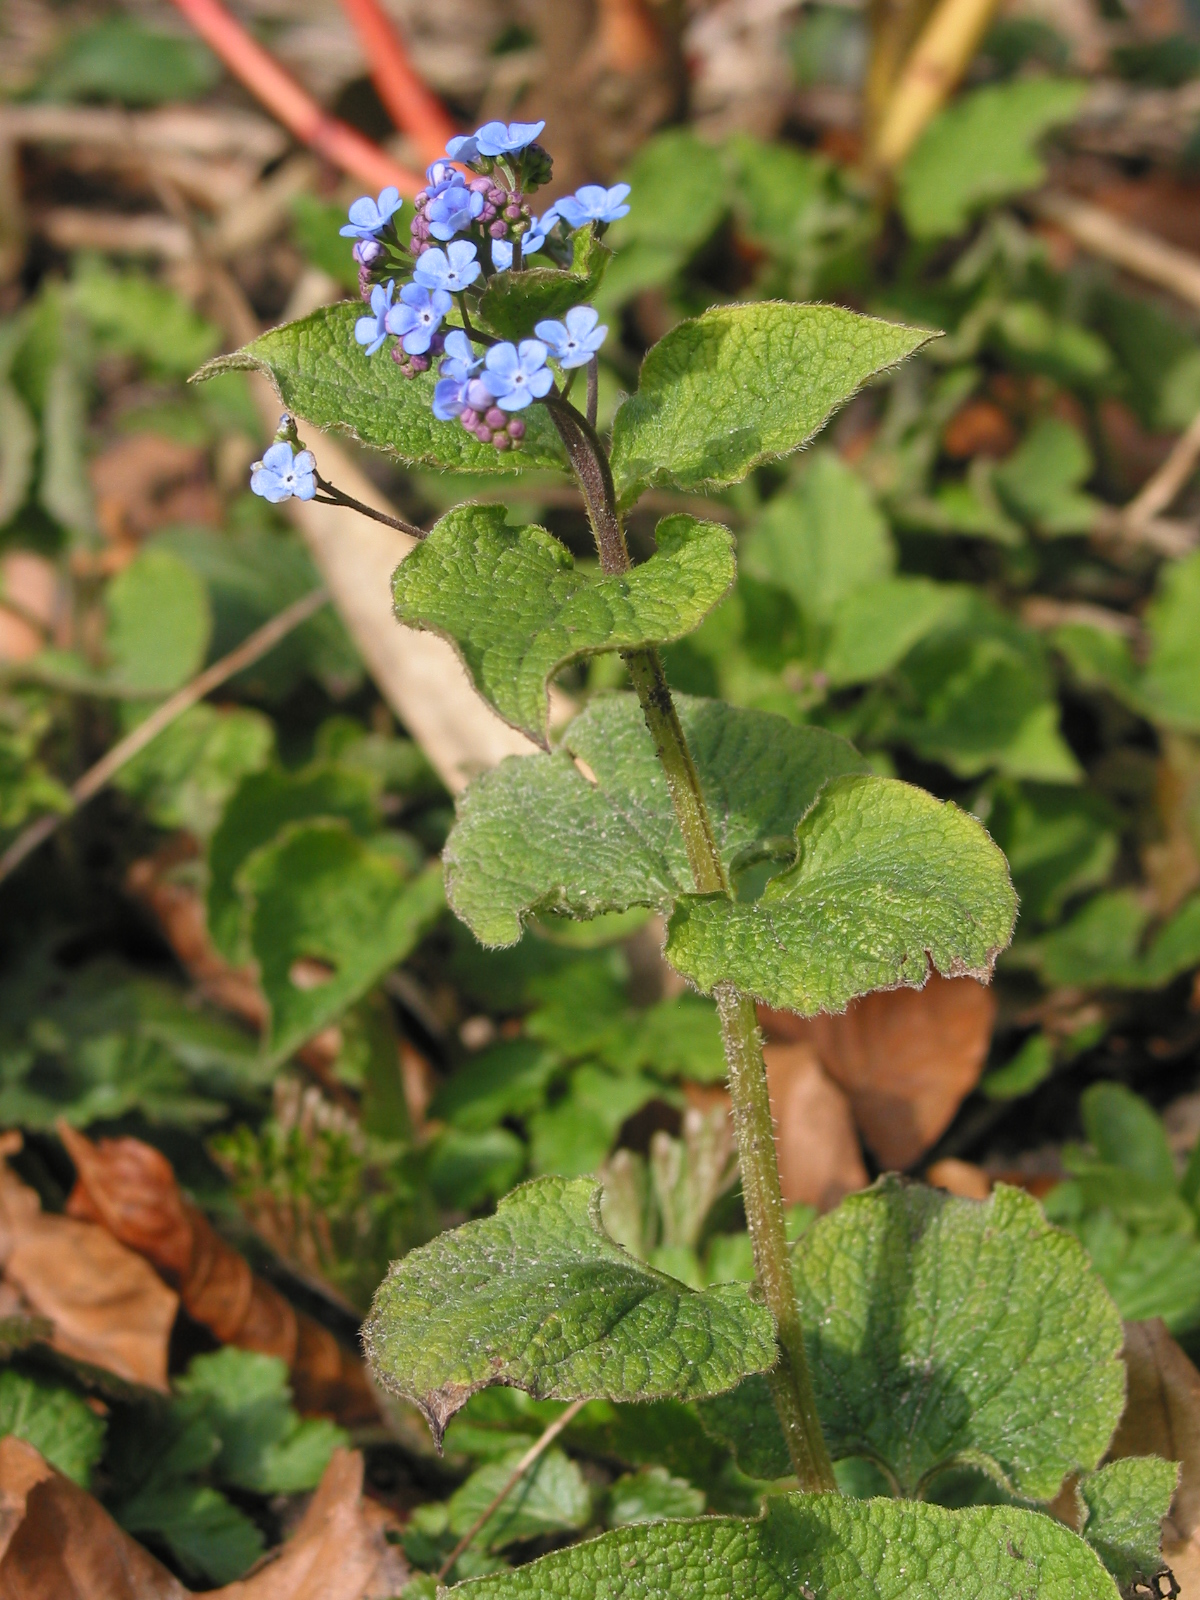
467,226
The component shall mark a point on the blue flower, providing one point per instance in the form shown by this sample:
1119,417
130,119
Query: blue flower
372,330
451,269
500,139
453,210
531,243
461,360
574,344
279,475
417,316
441,176
593,203
368,217
515,377
463,148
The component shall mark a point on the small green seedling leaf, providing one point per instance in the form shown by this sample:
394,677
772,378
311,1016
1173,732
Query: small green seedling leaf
159,623
514,302
651,1495
330,915
1126,1502
262,807
821,1547
1171,684
742,384
538,834
552,1498
540,1298
887,882
517,609
982,148
55,1421
323,376
943,1332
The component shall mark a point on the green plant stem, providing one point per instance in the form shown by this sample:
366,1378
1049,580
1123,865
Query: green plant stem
790,1380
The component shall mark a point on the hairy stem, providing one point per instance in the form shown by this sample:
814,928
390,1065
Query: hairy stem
332,496
790,1381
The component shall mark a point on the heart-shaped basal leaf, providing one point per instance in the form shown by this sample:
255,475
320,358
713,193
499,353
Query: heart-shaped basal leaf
538,1297
820,1547
887,881
1126,1502
321,374
517,609
742,384
946,1332
515,302
538,834
330,915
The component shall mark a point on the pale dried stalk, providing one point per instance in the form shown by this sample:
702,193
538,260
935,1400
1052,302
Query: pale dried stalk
534,1453
1158,492
938,60
1130,248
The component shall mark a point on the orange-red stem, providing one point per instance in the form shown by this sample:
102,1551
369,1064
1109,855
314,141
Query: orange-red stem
411,104
279,92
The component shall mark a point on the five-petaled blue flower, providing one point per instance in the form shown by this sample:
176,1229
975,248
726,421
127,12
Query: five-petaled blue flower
454,376
454,209
593,203
440,176
505,139
574,343
368,217
280,474
372,331
417,316
516,376
531,243
451,269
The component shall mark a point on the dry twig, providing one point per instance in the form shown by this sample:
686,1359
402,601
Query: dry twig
939,58
1130,248
94,779
531,1455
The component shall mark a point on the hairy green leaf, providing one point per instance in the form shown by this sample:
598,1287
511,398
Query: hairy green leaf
514,302
264,804
517,609
945,1332
742,384
265,1446
1126,1502
981,148
55,1421
330,915
552,1498
536,834
540,1298
822,539
158,624
822,1547
321,374
887,882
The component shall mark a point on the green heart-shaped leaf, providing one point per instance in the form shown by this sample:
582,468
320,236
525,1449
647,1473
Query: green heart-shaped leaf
517,609
886,882
590,828
538,1297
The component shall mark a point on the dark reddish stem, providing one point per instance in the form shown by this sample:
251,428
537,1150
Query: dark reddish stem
291,104
412,106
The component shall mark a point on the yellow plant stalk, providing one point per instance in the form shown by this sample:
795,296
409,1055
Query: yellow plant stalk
938,60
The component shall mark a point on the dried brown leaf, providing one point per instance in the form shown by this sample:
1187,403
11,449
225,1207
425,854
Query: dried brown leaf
58,1543
819,1158
131,1189
106,1305
907,1058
